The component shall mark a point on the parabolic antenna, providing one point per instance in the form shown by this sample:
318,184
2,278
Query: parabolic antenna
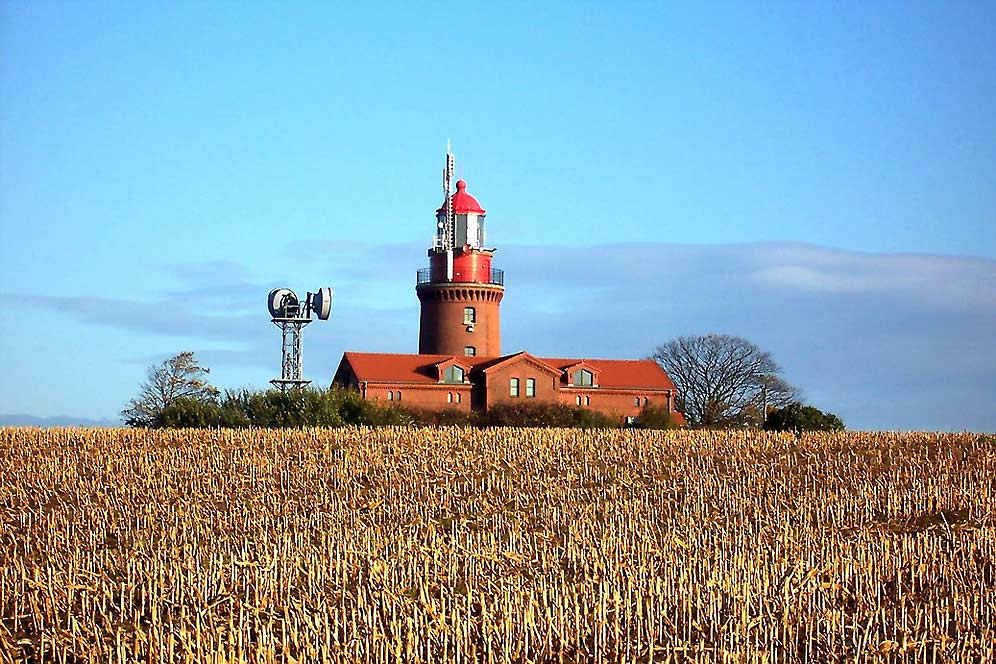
278,299
321,303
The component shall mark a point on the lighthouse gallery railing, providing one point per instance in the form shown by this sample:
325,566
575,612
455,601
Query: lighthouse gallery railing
424,276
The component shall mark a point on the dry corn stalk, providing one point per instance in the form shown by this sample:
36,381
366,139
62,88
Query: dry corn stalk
501,545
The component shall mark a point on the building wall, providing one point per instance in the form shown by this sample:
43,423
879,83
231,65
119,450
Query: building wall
435,397
442,330
498,388
488,389
615,402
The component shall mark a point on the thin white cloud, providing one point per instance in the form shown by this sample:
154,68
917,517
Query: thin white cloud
885,341
943,281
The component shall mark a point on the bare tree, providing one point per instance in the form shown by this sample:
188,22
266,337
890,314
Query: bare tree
723,380
178,377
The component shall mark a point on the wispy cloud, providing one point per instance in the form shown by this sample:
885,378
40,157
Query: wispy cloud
884,340
948,282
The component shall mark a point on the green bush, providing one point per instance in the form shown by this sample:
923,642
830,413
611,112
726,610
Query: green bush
190,413
797,417
535,414
586,418
655,417
340,406
444,417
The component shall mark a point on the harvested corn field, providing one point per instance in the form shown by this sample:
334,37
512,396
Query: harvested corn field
496,545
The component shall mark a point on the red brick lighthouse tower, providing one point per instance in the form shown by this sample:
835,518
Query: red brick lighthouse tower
459,292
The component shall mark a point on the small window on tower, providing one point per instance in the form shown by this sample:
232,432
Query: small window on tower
469,315
469,350
513,387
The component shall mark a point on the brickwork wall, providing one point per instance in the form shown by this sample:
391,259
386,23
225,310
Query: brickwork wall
498,384
615,402
434,397
442,330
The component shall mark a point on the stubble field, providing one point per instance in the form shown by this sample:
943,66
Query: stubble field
501,545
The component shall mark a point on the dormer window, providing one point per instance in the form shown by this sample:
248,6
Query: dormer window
454,374
583,378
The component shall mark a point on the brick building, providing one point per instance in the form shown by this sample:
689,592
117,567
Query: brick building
460,364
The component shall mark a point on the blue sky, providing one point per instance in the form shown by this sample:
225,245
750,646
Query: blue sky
819,178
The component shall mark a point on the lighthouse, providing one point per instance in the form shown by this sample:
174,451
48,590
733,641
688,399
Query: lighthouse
460,366
460,292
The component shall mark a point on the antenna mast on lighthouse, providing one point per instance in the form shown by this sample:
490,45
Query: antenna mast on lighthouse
448,230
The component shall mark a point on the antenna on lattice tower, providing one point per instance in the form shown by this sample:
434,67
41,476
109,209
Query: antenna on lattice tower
291,315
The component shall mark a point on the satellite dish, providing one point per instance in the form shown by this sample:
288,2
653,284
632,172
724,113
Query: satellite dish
278,299
321,303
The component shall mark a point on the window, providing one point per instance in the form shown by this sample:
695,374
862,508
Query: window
645,401
390,395
454,374
469,315
578,400
513,387
458,397
636,401
469,351
449,397
587,401
583,377
397,396
530,387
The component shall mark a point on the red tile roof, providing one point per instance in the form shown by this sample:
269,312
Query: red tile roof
405,368
620,373
395,367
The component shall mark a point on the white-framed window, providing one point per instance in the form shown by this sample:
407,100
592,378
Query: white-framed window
530,387
587,400
578,399
513,387
454,374
458,397
449,397
583,377
469,315
397,395
390,395
469,351
636,401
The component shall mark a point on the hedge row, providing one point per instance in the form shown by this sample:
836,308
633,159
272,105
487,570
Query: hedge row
338,407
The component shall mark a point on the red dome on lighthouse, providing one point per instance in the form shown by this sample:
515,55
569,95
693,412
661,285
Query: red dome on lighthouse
463,202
